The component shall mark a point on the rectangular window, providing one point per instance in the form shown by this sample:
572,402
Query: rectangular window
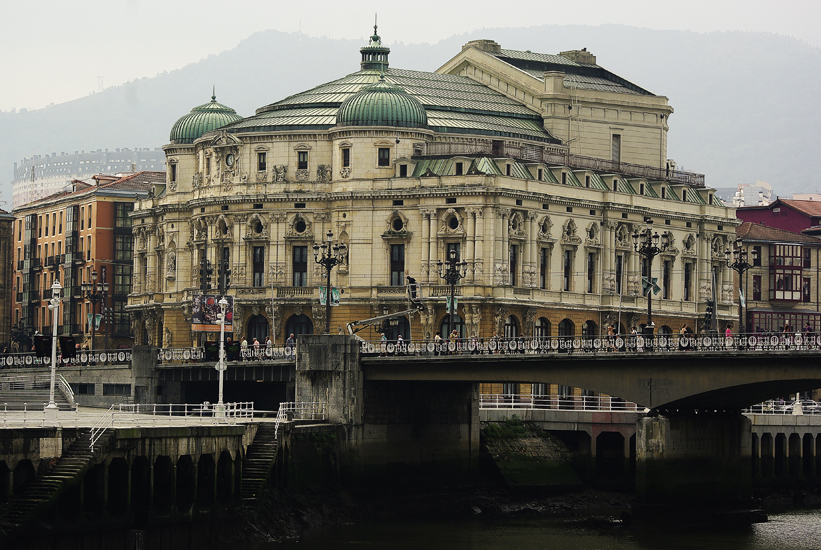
543,268
807,258
116,389
757,256
88,249
616,148
564,178
346,158
384,156
82,217
403,170
123,247
619,271
302,160
756,288
61,223
540,174
587,181
172,172
688,282
300,263
507,169
262,162
40,226
591,271
121,212
122,279
665,280
89,216
805,290
259,266
397,264
567,270
514,257
83,389
208,166
663,192
19,230
459,168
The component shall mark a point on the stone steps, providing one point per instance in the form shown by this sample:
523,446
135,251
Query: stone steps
45,490
259,460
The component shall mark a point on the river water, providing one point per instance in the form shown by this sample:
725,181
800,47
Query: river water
785,531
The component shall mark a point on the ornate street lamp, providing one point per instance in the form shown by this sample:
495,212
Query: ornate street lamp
54,306
223,303
94,292
737,261
452,272
646,243
333,254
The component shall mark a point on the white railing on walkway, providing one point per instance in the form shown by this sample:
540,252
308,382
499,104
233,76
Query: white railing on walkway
232,353
781,407
593,403
81,357
600,344
299,411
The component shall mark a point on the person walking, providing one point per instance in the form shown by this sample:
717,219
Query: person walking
289,346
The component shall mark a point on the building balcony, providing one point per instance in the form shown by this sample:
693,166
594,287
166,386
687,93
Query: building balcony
35,263
49,261
20,265
295,291
557,157
34,296
19,297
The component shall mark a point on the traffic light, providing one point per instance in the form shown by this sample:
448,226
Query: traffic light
209,271
709,312
202,277
224,276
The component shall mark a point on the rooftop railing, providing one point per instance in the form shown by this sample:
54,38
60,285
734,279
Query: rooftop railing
558,157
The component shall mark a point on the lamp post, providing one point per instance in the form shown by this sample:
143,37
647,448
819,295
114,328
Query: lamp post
452,272
737,261
646,243
54,306
333,254
94,292
223,303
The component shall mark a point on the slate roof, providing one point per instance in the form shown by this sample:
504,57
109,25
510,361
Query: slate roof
138,182
581,75
749,231
454,104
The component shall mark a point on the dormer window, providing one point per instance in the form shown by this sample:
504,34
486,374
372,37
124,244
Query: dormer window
663,192
507,169
459,170
403,170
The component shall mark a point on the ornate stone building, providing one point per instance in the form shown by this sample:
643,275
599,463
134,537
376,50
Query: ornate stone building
536,169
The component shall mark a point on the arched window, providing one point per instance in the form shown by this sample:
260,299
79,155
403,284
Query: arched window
298,324
542,328
258,328
401,328
457,324
590,329
665,330
511,327
567,328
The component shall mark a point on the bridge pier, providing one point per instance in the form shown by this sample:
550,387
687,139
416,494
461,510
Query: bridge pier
394,431
690,467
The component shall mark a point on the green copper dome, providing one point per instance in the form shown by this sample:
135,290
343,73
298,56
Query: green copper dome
202,119
382,104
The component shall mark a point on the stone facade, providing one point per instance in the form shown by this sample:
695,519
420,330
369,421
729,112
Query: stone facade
546,241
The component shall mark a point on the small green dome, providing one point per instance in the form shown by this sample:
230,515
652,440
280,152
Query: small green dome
202,119
382,104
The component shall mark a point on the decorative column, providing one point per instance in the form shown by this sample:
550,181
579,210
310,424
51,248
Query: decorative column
478,237
506,244
471,243
432,254
424,268
532,246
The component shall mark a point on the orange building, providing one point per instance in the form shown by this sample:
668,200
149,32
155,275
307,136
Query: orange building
68,236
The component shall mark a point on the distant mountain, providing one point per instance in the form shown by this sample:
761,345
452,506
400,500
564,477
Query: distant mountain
746,104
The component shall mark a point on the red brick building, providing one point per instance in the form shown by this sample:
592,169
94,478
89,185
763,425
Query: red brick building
67,236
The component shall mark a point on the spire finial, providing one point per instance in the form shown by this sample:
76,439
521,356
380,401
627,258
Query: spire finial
213,92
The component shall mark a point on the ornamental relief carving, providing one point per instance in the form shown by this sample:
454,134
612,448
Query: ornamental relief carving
280,173
323,173
623,237
255,228
569,236
593,235
690,244
196,180
302,175
262,176
294,225
516,227
447,223
345,172
544,229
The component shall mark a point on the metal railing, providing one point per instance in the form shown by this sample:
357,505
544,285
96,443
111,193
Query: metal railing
289,411
250,353
778,407
82,357
171,414
175,355
557,156
594,403
600,344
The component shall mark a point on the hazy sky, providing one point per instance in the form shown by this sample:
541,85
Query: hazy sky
54,51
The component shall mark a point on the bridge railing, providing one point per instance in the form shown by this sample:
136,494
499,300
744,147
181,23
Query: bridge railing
82,357
289,411
600,344
780,407
593,403
234,353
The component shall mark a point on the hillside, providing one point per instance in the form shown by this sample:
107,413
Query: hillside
744,102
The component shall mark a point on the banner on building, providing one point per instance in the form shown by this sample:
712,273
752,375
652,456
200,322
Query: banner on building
455,304
204,313
334,295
